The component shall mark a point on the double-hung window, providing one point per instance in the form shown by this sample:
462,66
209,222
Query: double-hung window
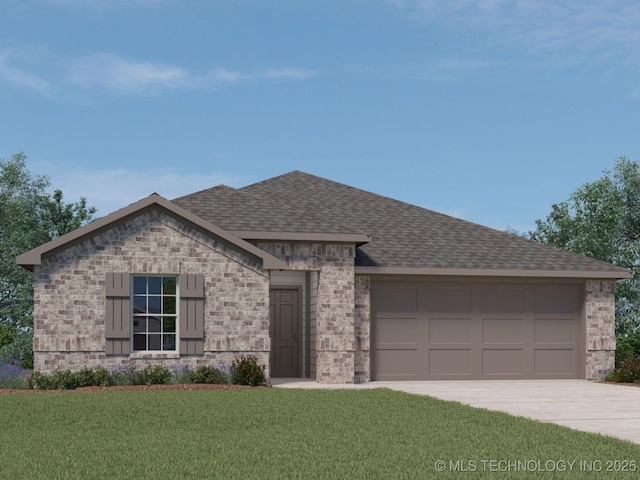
154,308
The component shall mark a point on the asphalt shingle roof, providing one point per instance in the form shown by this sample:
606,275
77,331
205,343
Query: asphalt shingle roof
402,235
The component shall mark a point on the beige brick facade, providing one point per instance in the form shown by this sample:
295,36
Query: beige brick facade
70,296
69,316
335,323
363,328
600,327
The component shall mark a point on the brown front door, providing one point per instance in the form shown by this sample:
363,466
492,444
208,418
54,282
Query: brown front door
284,332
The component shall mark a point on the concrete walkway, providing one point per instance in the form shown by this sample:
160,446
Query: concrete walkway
607,409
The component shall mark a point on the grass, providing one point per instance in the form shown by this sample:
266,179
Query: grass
277,433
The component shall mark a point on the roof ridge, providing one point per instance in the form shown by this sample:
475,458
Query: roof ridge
312,214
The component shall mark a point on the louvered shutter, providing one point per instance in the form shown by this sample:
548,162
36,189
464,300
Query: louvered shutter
117,316
191,316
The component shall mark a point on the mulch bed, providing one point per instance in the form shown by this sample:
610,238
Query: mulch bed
131,387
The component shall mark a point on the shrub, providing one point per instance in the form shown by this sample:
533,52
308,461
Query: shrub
627,347
181,374
120,376
627,372
58,380
70,380
207,374
12,375
246,371
151,375
93,377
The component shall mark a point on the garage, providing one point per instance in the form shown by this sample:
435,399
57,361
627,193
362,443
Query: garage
475,331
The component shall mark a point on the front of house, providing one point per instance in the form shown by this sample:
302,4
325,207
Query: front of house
319,280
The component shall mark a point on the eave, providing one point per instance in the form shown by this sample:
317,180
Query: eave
617,274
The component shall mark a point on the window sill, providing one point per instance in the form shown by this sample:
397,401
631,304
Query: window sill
154,355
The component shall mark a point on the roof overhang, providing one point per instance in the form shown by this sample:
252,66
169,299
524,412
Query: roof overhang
356,238
34,257
495,272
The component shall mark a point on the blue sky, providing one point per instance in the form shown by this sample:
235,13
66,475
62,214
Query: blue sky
486,110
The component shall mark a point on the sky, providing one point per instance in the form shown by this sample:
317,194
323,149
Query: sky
490,111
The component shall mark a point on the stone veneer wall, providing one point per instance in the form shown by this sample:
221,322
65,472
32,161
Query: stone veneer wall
69,329
600,327
334,315
363,328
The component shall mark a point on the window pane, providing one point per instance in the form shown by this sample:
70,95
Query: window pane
169,285
169,324
153,298
139,285
169,342
139,324
169,305
140,342
155,342
154,324
155,285
139,304
155,304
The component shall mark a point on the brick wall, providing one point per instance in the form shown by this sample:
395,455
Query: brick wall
600,327
334,307
69,329
363,328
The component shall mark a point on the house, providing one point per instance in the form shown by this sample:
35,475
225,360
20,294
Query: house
322,280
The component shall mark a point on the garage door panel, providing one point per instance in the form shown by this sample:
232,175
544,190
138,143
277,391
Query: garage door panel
396,330
403,298
557,299
450,362
554,362
453,299
449,330
396,363
502,330
503,299
503,362
554,330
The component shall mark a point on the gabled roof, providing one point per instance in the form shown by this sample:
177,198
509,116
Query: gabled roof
265,218
34,257
404,238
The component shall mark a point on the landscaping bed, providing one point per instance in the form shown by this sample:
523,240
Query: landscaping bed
185,387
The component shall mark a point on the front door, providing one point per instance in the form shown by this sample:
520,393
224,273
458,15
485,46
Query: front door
285,320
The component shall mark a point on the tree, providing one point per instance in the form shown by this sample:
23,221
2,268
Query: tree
29,216
601,220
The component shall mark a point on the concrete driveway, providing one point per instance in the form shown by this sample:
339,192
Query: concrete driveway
603,408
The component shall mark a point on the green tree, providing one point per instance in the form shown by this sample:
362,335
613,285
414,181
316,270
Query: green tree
29,216
601,219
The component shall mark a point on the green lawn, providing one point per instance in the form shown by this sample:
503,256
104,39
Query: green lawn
277,433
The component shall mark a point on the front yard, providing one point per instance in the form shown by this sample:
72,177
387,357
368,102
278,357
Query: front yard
274,433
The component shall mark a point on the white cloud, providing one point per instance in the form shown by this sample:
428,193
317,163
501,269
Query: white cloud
601,27
18,76
109,72
106,3
446,69
118,74
115,73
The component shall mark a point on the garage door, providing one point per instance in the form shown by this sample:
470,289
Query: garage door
424,331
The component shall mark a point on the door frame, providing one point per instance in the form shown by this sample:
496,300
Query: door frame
300,339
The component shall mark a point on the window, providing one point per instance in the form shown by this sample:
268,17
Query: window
154,313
